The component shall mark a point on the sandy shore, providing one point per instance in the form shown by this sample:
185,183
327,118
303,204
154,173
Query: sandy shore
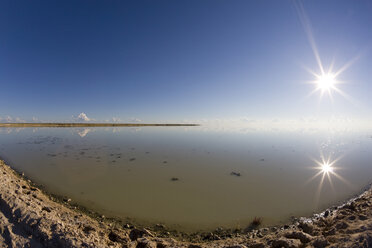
31,218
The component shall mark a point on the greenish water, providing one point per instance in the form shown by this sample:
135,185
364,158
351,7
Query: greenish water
192,178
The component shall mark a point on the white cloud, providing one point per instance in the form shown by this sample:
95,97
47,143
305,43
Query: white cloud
84,132
8,119
133,119
82,117
116,119
17,119
11,119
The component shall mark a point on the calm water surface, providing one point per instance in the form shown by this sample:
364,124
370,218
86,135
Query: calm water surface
192,178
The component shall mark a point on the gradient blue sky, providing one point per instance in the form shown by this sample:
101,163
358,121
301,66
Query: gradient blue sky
176,60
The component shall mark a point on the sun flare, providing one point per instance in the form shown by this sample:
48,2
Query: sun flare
326,82
326,168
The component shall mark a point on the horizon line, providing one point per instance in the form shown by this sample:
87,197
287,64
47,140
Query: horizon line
79,124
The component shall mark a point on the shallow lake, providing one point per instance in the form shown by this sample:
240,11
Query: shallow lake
193,178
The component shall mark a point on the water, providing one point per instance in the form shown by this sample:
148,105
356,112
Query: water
192,178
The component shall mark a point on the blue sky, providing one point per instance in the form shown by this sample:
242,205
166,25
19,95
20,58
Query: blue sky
177,60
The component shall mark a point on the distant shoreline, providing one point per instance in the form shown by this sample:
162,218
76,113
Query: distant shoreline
94,125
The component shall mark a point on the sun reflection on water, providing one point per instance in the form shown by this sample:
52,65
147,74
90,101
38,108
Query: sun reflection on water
326,168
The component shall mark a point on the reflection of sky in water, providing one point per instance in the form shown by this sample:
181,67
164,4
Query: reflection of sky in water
196,177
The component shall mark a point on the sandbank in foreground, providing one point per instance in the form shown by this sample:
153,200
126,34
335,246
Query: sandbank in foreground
31,218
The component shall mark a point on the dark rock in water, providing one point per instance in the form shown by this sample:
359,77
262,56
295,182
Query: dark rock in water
237,174
174,179
262,159
132,159
164,162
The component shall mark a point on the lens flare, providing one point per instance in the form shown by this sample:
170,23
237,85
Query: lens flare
326,82
327,168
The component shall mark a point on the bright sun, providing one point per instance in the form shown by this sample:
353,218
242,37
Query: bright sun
326,168
326,82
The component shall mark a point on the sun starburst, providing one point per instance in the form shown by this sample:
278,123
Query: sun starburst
326,168
325,82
